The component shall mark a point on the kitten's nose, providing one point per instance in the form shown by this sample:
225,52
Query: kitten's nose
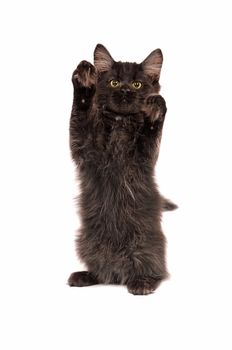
125,89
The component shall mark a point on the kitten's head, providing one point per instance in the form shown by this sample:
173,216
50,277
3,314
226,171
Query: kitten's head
122,87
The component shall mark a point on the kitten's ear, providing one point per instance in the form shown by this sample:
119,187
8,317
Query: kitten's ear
153,63
102,59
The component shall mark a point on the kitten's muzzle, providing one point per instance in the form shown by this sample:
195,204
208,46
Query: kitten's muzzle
125,94
125,90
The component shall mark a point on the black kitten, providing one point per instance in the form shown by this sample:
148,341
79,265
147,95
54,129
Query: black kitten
115,132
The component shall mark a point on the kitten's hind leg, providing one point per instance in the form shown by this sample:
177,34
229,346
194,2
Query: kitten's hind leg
82,279
143,285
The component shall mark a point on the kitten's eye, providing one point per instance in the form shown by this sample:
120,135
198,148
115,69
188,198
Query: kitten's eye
137,84
114,83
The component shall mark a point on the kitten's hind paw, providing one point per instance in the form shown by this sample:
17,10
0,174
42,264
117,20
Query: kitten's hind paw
84,75
82,279
143,285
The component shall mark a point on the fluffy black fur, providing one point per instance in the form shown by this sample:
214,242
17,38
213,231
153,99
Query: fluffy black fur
115,133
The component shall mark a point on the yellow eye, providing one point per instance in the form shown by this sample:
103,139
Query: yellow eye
137,84
114,83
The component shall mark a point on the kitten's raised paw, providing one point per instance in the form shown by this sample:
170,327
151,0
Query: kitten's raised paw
82,279
84,75
143,285
155,107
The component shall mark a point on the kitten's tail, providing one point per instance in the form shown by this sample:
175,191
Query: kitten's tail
168,205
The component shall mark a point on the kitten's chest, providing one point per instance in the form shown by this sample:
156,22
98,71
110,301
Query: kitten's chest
116,137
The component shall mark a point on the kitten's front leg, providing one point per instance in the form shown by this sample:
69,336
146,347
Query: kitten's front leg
83,79
154,109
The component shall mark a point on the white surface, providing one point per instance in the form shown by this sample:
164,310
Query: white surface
41,44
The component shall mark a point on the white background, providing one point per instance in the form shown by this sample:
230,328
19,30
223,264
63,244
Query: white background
41,44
